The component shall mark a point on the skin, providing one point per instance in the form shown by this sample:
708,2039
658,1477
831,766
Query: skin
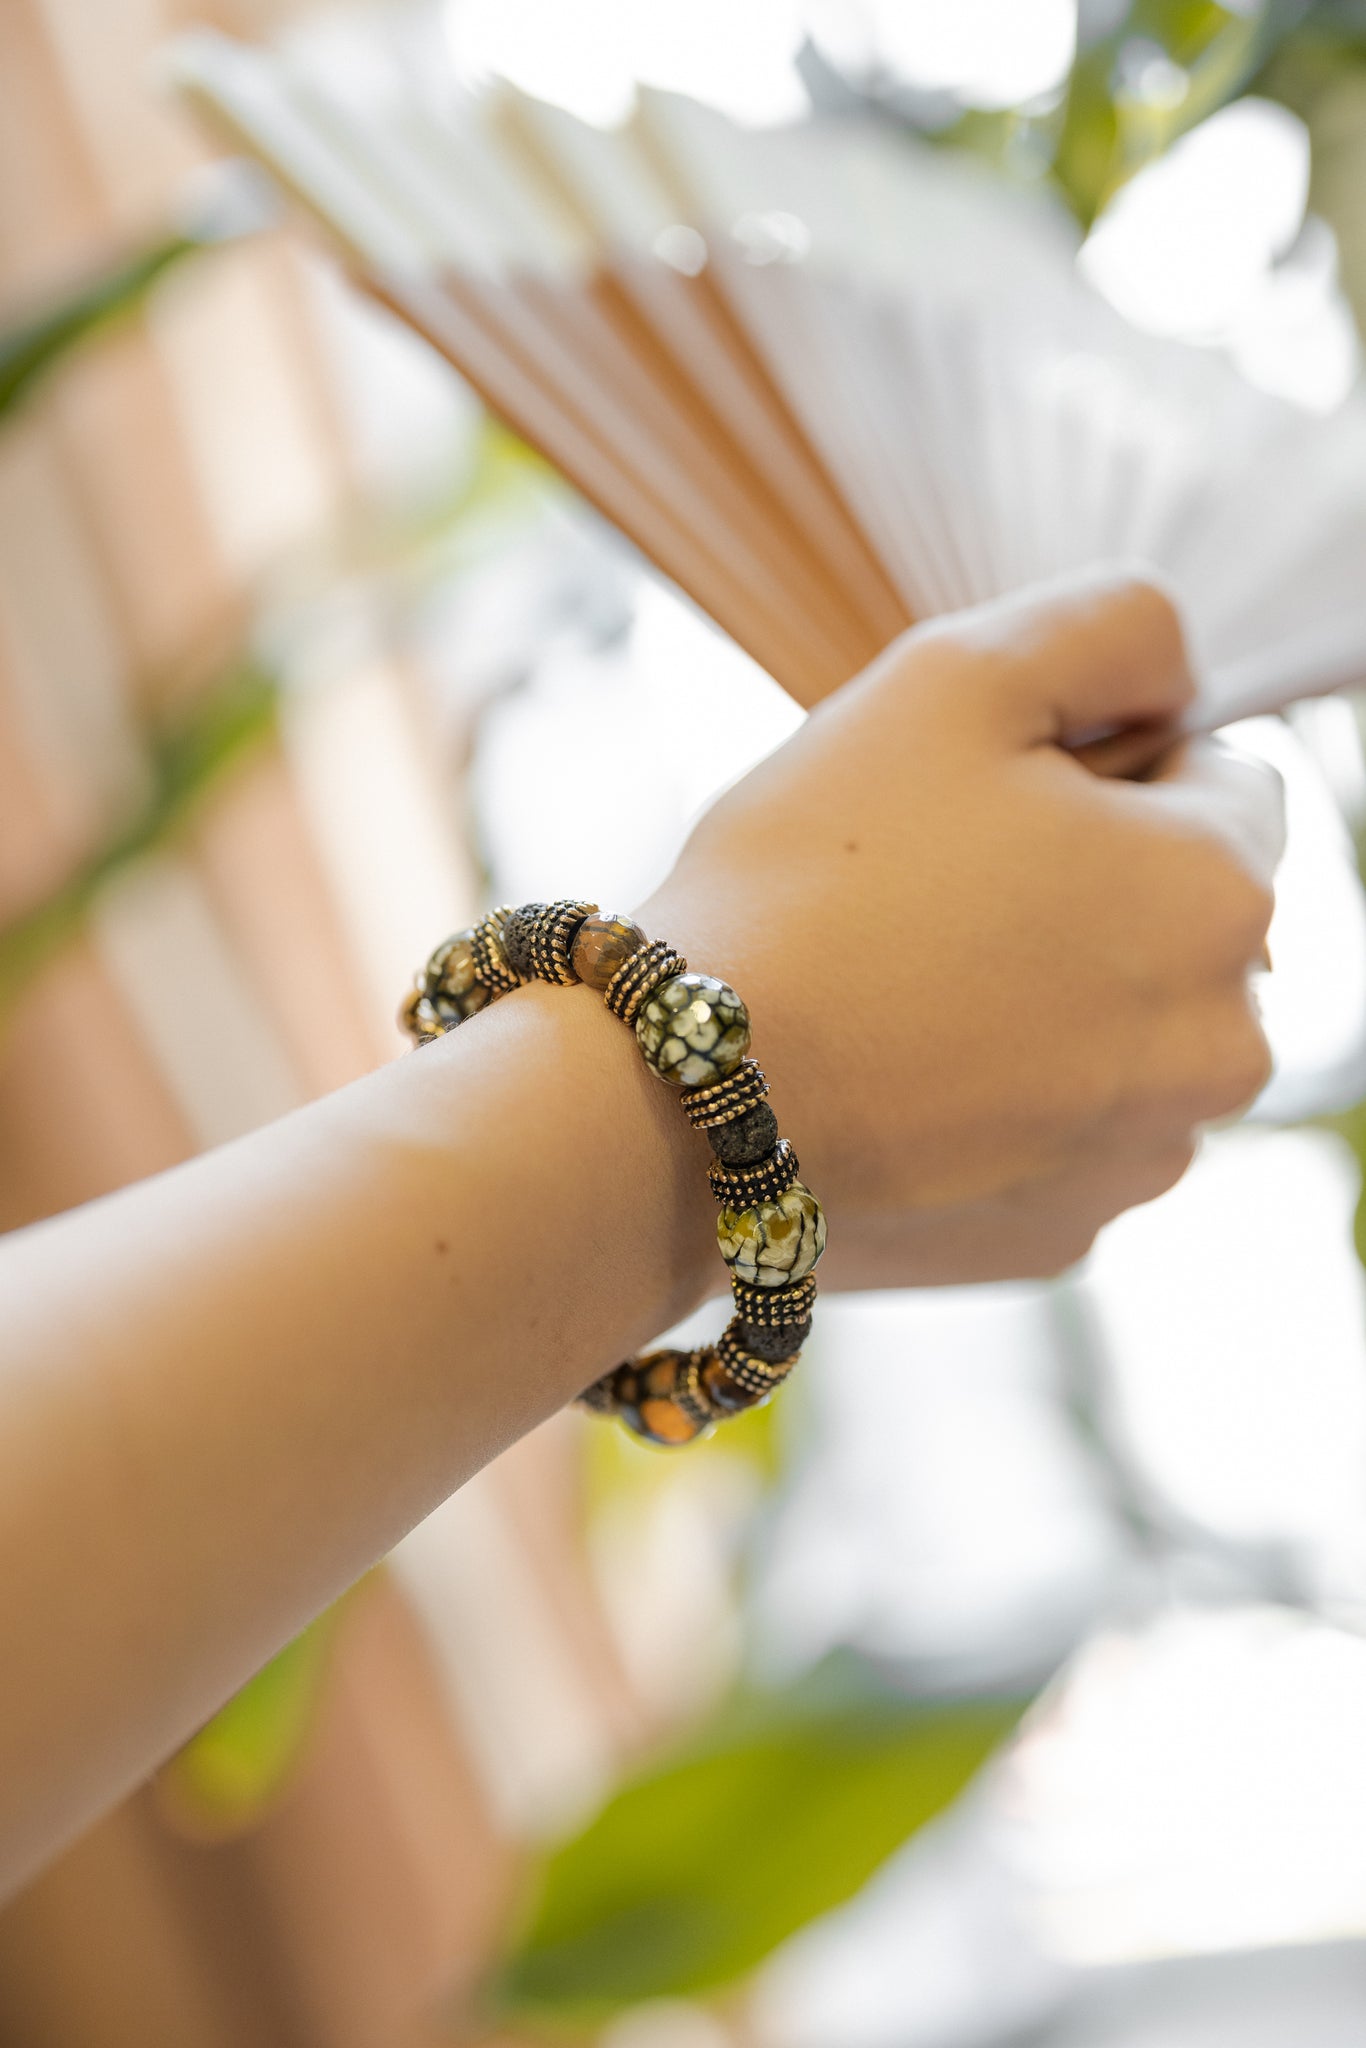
996,995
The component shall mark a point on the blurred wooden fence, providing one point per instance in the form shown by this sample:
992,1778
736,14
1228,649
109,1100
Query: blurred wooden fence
252,962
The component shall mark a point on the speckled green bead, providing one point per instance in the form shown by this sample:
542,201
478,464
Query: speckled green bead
774,1242
453,982
693,1030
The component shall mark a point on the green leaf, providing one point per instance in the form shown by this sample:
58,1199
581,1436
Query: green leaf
35,346
1109,128
186,756
778,1811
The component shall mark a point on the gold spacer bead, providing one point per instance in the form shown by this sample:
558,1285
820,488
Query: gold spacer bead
737,1187
639,976
723,1102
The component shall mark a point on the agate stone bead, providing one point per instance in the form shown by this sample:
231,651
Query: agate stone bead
601,946
774,1242
721,1390
693,1030
648,1404
453,980
746,1141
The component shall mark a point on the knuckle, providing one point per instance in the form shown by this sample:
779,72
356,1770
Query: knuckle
1141,603
1245,1069
1058,1248
1166,1169
1239,907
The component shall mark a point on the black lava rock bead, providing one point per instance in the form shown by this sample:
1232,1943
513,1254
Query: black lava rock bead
773,1346
746,1141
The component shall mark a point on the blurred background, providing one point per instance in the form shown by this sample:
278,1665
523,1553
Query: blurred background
1006,1683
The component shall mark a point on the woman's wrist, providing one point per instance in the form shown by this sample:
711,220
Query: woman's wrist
693,1033
610,1146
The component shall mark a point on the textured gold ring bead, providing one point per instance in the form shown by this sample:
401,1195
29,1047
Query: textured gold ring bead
552,938
773,1308
491,964
738,1187
639,976
726,1100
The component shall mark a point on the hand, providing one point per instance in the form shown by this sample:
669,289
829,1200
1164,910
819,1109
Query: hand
996,994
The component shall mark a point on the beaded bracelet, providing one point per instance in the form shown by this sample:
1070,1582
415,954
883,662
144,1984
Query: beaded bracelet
694,1033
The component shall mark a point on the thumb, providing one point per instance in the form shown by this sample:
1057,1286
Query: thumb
1070,661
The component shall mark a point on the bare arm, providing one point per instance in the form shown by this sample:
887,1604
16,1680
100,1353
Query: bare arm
996,997
229,1390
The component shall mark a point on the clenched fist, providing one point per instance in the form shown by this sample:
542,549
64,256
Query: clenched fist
996,993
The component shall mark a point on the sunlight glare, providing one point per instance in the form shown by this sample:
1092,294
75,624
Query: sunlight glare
987,53
589,57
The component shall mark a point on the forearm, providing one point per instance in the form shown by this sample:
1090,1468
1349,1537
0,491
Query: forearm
229,1390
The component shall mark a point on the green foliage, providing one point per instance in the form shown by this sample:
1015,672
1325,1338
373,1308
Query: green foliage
616,1463
186,756
1167,66
228,1775
778,1810
1320,74
30,350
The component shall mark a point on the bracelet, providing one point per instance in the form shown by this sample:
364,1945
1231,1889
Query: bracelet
693,1032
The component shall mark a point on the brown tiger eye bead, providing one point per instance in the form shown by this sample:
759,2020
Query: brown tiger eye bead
723,1393
604,944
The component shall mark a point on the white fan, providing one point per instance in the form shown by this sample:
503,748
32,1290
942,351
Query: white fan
829,380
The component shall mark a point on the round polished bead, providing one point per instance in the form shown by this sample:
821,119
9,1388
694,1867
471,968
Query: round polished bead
773,1243
723,1393
604,944
693,1030
453,980
410,1010
750,1138
649,1398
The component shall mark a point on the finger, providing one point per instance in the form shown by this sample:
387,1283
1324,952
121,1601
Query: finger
1129,754
1067,662
1235,795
